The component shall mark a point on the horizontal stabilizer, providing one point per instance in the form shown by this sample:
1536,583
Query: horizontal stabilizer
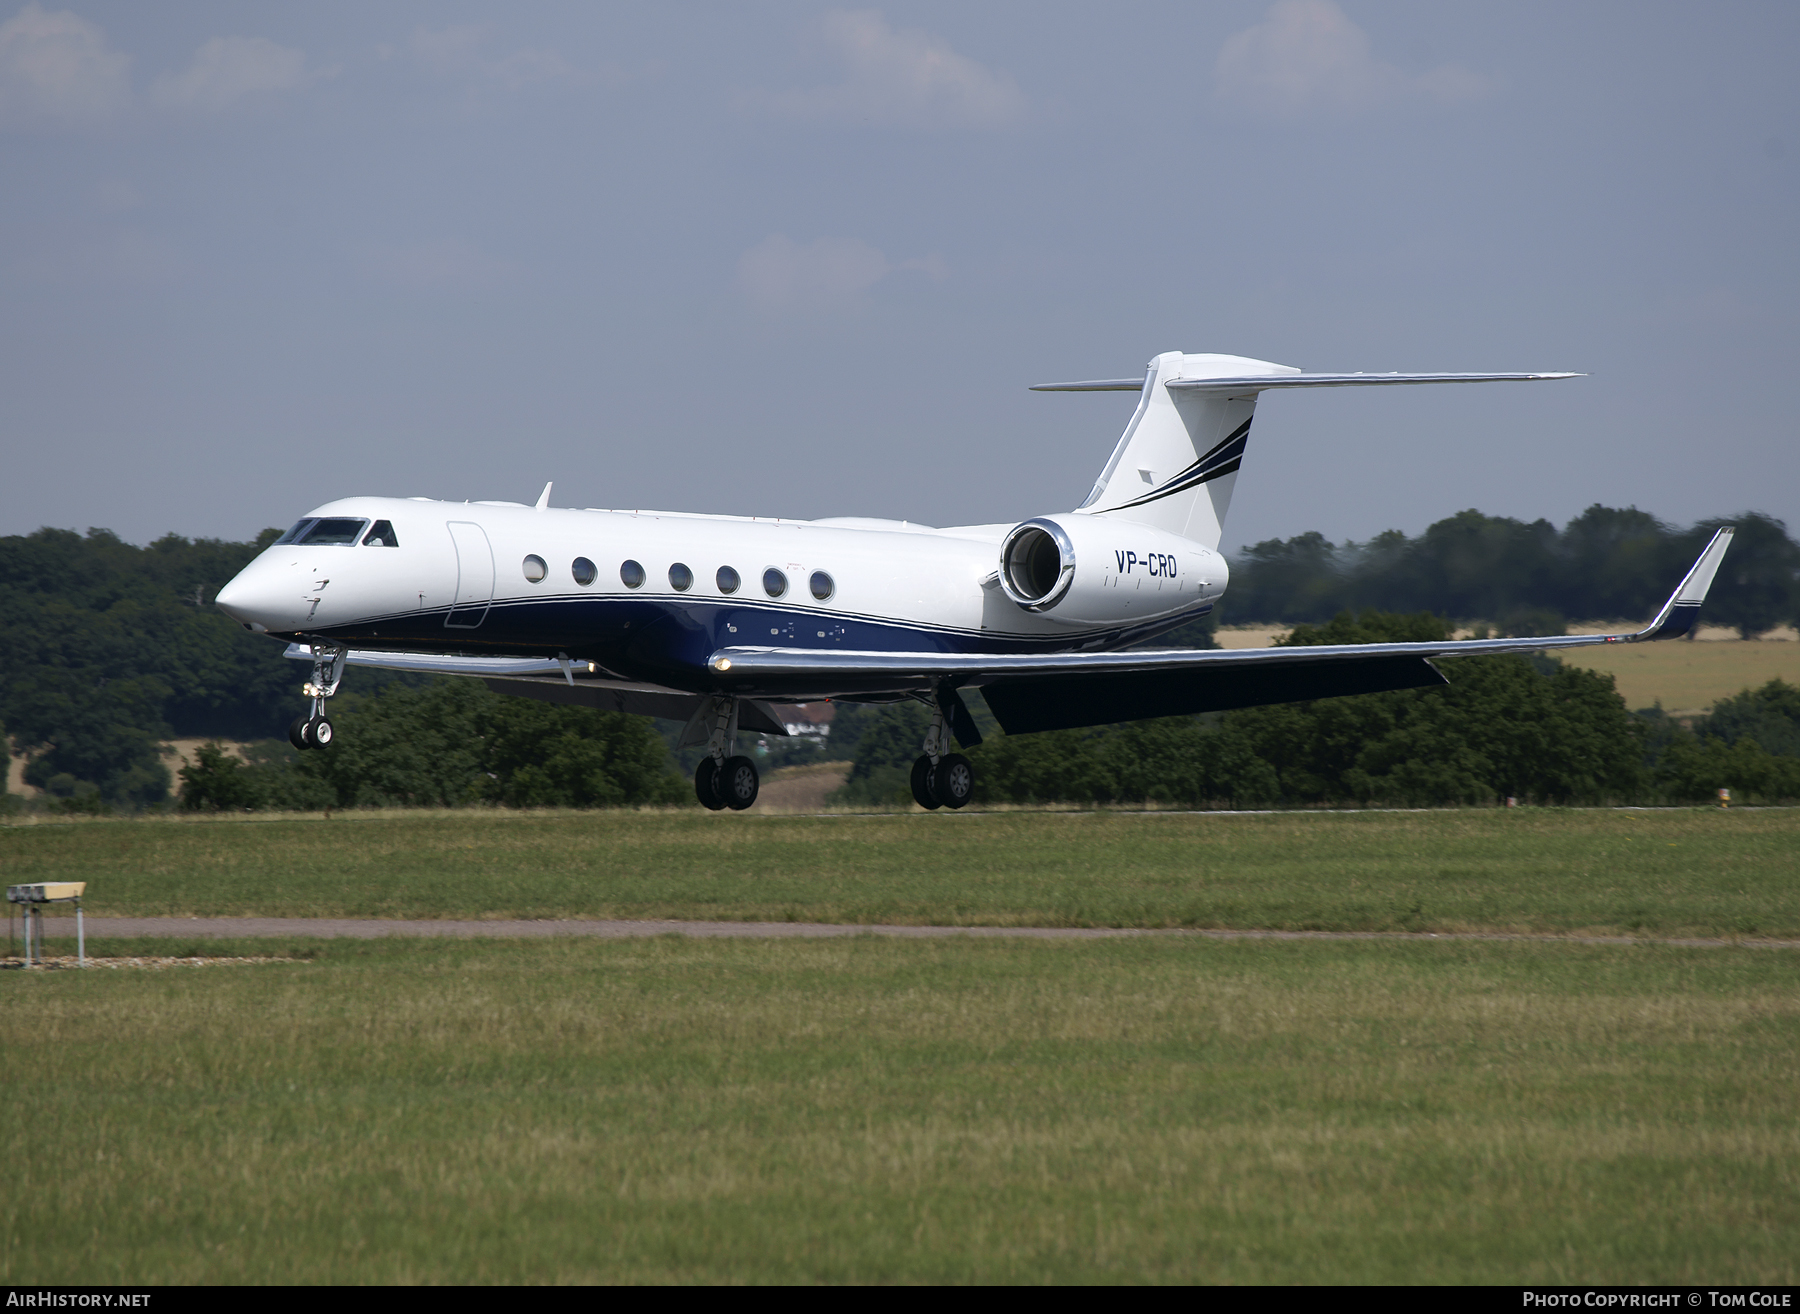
1262,383
1093,385
1249,383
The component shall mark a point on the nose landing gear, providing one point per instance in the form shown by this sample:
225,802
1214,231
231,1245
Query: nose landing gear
724,779
313,730
310,732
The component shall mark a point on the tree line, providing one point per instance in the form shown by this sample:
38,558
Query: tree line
450,743
1526,579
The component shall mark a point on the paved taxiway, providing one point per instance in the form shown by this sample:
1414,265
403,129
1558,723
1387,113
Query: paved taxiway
374,928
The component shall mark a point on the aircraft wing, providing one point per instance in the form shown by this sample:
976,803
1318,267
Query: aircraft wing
1047,691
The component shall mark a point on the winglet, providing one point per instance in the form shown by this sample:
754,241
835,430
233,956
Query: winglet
543,501
1679,613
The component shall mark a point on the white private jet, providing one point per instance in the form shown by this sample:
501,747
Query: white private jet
713,618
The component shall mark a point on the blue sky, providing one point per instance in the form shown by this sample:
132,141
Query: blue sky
804,260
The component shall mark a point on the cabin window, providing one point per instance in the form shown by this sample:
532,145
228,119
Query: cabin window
584,571
632,575
333,532
822,586
727,579
681,579
293,535
774,582
535,569
382,535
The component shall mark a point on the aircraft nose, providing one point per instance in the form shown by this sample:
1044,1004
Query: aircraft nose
235,600
246,599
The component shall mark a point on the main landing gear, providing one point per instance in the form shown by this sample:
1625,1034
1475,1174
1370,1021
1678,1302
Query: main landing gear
940,778
725,779
312,729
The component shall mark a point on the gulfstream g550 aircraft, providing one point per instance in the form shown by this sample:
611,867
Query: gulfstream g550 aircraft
714,618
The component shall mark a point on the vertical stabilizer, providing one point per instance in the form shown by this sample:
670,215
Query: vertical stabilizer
1177,462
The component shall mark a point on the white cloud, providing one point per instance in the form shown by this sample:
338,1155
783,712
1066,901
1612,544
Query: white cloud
906,78
227,69
782,274
57,66
461,52
1308,55
448,263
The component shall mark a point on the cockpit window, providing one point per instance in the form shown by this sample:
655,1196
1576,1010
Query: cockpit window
332,532
293,534
381,536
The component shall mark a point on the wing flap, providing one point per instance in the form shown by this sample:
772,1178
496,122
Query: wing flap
636,700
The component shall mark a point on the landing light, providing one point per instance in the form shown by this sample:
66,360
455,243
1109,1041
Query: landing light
722,664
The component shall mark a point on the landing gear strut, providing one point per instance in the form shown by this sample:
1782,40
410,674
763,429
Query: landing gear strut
724,779
940,778
313,730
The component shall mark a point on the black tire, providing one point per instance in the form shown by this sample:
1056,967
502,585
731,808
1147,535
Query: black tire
297,734
738,783
320,732
921,785
706,781
953,780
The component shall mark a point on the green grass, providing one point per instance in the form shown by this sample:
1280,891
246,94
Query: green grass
1691,872
872,1110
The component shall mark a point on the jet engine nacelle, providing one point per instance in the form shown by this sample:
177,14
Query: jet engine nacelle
1100,570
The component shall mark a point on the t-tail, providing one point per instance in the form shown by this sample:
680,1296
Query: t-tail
1177,463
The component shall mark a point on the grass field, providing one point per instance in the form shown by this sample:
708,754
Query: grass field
1689,677
1686,677
1680,872
868,1110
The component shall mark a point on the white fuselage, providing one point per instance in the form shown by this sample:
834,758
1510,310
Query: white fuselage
458,578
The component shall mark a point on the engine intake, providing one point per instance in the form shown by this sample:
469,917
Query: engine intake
1131,574
1037,564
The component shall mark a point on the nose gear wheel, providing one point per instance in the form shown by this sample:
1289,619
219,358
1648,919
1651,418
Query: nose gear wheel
310,732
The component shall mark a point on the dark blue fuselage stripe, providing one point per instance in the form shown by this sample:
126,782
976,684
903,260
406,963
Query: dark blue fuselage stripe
668,641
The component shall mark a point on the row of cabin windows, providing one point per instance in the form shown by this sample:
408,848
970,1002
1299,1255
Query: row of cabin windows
681,578
336,531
